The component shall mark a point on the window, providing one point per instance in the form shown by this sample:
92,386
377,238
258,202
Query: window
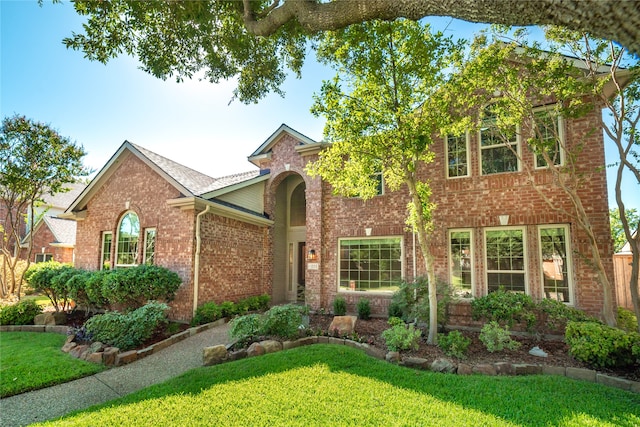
370,264
497,146
44,257
549,133
556,272
505,261
461,263
105,257
127,244
457,156
149,246
378,177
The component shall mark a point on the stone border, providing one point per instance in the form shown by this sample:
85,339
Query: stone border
220,354
109,356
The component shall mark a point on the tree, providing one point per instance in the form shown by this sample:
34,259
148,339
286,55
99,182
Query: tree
258,41
617,230
34,160
383,109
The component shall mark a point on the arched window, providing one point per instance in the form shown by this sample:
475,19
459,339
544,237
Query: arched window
128,238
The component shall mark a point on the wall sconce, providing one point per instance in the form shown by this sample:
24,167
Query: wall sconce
287,166
504,219
127,204
367,231
312,256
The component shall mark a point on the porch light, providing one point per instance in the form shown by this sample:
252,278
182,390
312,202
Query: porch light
504,219
312,256
367,231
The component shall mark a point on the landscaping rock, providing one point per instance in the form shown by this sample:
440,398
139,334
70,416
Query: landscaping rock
443,365
526,369
537,351
464,369
343,325
214,355
271,346
95,357
503,368
415,362
50,319
109,355
238,354
77,350
393,357
485,369
126,357
255,349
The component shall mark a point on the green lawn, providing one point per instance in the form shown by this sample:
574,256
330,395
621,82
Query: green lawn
325,385
33,360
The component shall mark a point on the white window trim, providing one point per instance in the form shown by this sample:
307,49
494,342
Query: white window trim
468,156
517,143
144,249
525,270
104,234
402,264
116,241
560,135
473,252
567,231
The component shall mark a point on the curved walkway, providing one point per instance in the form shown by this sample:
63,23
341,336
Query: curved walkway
56,401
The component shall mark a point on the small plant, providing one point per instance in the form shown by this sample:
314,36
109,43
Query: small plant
394,310
246,328
454,344
339,306
401,336
364,309
600,345
283,321
21,313
411,301
496,338
558,313
207,313
505,306
627,320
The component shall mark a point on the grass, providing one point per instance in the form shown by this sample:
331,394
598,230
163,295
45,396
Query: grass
339,386
33,360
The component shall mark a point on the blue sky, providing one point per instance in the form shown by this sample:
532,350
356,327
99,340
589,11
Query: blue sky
100,106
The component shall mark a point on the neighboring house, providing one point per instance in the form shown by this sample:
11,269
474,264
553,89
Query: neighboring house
54,238
276,230
622,271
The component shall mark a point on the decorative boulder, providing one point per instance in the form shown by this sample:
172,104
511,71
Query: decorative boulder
343,325
50,319
214,355
443,365
255,349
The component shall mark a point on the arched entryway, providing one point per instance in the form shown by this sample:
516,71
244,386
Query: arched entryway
290,241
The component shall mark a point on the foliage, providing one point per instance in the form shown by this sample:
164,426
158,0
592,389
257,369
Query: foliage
627,320
454,344
339,306
504,306
617,229
558,313
601,346
134,286
246,328
401,336
207,313
40,277
411,300
496,338
210,311
32,361
283,321
394,310
228,308
364,309
21,313
34,160
93,284
127,331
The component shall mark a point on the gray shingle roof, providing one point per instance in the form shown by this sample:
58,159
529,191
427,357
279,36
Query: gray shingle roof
63,200
64,230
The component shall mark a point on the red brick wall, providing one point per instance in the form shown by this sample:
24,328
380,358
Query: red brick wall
42,239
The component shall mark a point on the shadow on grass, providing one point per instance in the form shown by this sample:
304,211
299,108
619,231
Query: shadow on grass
456,400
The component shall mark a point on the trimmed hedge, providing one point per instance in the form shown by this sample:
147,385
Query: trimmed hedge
210,311
600,345
21,313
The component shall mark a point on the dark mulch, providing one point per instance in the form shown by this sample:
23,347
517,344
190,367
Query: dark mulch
370,331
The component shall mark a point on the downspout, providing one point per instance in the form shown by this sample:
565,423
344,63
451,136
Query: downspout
196,268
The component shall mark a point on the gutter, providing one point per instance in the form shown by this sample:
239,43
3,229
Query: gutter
196,270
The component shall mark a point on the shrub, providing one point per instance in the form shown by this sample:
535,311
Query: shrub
627,321
454,344
133,287
412,300
246,328
600,345
401,336
207,313
394,310
364,309
339,306
283,321
258,302
505,306
21,313
228,309
93,283
127,331
558,313
495,338
40,277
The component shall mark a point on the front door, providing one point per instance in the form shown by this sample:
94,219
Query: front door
302,251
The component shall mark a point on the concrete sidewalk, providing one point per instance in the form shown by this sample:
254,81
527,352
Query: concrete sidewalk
56,401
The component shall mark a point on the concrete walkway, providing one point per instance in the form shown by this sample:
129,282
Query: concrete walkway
56,401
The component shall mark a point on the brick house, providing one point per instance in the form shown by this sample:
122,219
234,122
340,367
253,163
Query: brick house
276,230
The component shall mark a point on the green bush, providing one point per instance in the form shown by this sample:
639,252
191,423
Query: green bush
558,313
600,345
258,302
454,344
21,313
339,306
228,309
93,289
210,311
133,287
207,313
127,331
246,328
283,321
505,306
401,336
412,301
394,310
496,338
627,321
364,309
41,276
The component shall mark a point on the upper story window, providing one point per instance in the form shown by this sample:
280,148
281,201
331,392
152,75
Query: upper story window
370,264
128,238
457,156
498,147
548,129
